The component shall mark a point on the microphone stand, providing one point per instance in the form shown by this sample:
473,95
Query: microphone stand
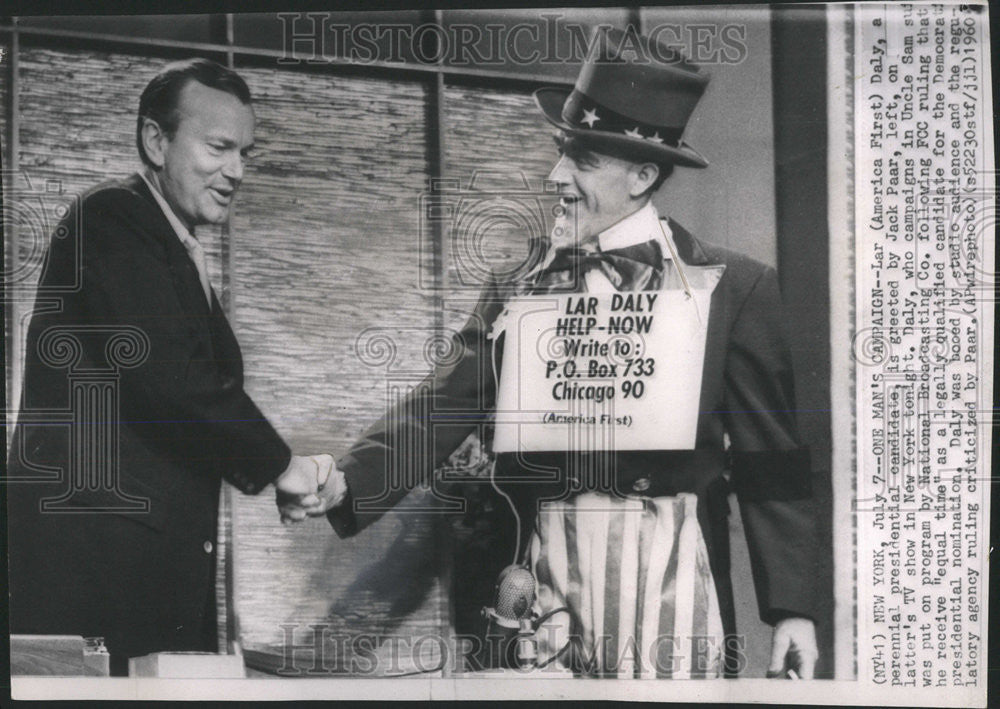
527,646
502,637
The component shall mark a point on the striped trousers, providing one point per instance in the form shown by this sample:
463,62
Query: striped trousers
633,575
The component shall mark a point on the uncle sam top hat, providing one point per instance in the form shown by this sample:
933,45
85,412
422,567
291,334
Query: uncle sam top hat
633,94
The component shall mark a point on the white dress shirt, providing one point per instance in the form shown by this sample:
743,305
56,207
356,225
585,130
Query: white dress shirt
637,228
195,250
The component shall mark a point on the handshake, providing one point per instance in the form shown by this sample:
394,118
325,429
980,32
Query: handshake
309,487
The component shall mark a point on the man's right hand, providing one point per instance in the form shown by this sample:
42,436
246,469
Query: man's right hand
309,487
297,488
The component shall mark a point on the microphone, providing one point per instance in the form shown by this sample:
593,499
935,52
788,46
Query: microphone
511,612
515,594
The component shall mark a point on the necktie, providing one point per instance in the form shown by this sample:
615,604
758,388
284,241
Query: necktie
197,253
638,267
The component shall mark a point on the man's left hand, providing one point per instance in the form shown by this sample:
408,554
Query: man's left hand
793,646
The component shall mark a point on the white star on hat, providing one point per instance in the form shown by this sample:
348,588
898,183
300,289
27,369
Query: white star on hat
590,117
634,133
655,137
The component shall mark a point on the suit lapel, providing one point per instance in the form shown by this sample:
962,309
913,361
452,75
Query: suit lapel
688,248
226,348
692,253
213,327
189,290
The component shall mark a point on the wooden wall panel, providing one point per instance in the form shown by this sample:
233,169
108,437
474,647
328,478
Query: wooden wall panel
4,98
324,253
499,148
8,261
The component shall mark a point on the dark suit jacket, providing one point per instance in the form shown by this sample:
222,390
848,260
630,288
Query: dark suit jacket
141,575
746,393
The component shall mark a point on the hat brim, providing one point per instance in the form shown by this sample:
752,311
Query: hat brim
550,100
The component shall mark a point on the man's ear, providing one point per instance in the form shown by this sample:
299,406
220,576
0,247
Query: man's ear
643,177
154,141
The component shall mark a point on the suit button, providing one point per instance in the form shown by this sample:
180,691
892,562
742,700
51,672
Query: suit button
641,484
207,546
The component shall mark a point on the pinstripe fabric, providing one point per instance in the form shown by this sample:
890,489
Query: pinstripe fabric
634,576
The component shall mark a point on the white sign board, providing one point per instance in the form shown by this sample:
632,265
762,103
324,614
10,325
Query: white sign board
606,371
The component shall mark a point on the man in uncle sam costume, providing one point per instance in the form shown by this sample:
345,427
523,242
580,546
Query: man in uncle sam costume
646,373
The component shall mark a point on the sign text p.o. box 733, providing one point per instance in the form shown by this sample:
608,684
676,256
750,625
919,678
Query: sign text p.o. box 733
602,372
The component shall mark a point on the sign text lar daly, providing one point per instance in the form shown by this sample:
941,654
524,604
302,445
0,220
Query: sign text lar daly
586,306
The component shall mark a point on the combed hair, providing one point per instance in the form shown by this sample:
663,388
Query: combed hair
580,150
159,99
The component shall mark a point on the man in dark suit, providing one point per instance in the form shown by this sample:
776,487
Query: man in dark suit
112,518
620,138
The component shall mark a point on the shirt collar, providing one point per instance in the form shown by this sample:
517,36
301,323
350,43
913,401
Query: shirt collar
637,228
182,231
